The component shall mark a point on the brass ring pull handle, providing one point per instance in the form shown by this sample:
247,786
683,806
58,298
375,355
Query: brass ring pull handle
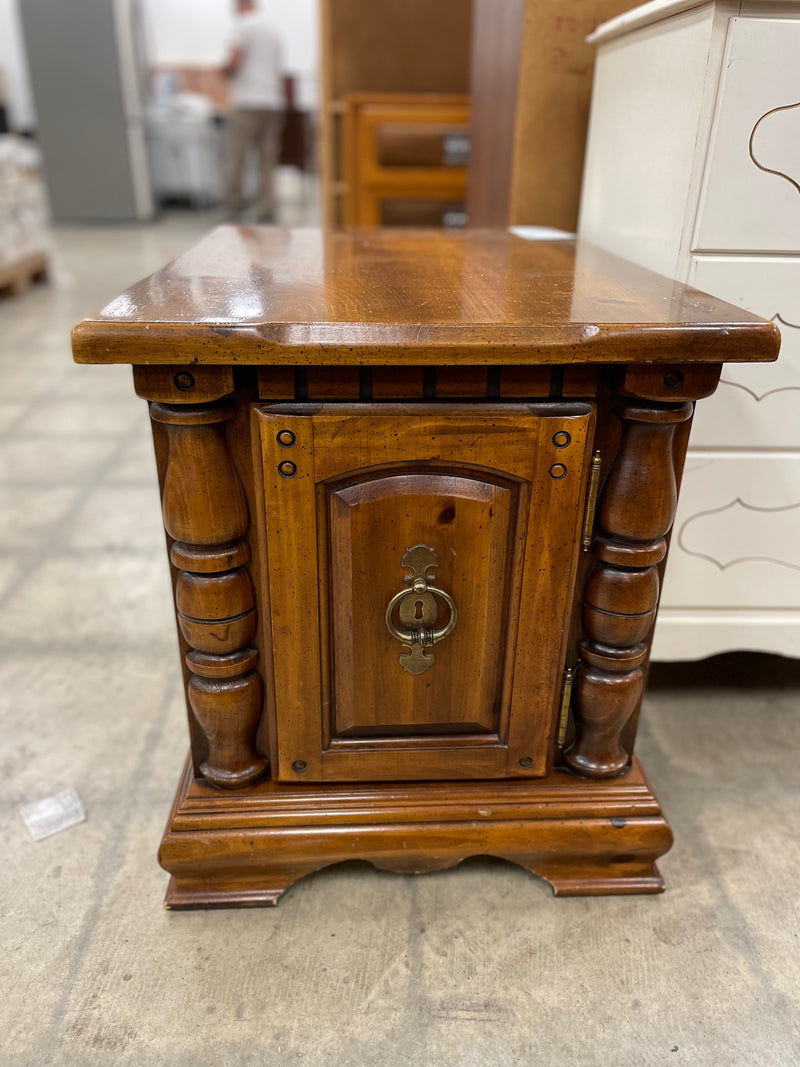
416,591
418,611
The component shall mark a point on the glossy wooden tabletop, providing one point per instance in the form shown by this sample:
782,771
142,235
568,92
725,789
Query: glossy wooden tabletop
267,295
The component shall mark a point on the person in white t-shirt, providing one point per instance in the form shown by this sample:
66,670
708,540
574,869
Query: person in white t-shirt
255,66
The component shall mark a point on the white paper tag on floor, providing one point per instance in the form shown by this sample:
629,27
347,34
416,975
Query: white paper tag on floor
53,814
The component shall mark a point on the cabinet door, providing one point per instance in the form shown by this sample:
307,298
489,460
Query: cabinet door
481,506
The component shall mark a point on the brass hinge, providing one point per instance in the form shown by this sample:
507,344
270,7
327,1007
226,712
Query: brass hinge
591,500
566,699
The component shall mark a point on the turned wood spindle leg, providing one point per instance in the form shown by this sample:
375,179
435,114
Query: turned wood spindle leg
205,511
621,596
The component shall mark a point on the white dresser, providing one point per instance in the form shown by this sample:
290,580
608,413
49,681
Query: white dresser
693,169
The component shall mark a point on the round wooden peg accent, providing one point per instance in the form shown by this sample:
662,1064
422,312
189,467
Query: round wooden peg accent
184,381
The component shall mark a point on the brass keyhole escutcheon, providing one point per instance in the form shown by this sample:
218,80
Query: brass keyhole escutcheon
418,610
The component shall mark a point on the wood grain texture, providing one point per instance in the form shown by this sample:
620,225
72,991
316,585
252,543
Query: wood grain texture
205,512
371,522
463,382
397,383
678,382
183,384
276,383
395,48
525,381
202,493
494,89
332,383
246,849
464,354
500,502
413,298
579,380
621,596
555,86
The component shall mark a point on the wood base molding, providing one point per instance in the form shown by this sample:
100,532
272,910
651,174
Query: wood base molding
586,838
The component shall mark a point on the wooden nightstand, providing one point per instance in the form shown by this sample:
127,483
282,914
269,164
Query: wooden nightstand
417,491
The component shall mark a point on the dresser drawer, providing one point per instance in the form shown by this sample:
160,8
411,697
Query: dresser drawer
755,405
750,198
736,539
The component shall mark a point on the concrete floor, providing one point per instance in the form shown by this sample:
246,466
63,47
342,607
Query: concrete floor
475,966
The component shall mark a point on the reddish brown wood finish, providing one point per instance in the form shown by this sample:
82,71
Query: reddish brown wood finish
621,596
247,849
499,496
358,395
183,384
205,512
413,298
678,382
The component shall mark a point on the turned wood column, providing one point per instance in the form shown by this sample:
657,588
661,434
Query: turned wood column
621,596
205,511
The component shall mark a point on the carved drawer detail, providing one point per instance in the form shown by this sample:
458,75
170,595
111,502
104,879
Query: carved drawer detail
751,201
737,534
754,405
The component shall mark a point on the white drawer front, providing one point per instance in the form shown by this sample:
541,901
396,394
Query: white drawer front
751,195
757,404
736,540
641,147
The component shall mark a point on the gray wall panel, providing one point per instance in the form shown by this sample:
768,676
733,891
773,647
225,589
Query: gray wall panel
74,64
